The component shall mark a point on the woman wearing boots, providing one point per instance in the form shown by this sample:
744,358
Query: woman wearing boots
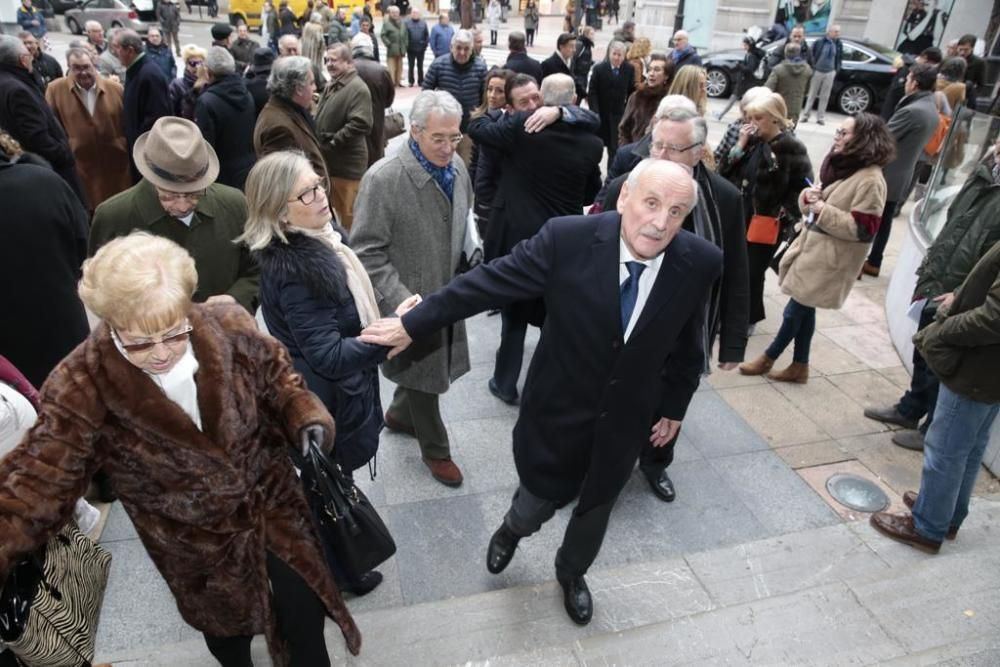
821,265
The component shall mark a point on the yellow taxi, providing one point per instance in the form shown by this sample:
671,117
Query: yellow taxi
248,11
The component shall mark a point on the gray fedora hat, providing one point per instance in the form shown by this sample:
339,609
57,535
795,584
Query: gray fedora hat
175,156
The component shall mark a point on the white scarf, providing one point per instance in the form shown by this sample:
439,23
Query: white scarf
177,383
357,278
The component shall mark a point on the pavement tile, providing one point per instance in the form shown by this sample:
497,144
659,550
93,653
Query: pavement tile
868,388
869,342
897,467
828,407
118,525
816,477
783,564
791,629
899,376
716,429
770,414
861,309
778,497
813,454
828,358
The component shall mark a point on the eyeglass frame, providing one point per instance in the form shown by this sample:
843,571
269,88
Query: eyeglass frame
314,190
672,148
439,141
149,346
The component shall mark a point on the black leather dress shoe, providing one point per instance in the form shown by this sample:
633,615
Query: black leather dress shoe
501,549
661,485
577,600
495,390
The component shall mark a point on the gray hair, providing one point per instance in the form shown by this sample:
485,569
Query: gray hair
699,128
633,178
220,61
90,25
462,37
793,50
288,74
617,45
675,102
11,50
287,39
558,89
130,39
79,51
269,186
433,101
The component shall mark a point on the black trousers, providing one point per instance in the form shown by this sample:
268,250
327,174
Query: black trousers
921,398
653,460
584,534
759,256
877,252
510,354
301,616
417,58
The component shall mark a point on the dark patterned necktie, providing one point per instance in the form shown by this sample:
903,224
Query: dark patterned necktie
630,291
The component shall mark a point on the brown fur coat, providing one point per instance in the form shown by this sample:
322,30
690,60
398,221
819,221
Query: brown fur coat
206,504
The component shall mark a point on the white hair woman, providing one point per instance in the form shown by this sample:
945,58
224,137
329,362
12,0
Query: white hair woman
189,410
316,298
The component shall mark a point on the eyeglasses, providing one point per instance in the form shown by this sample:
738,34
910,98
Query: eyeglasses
178,338
168,196
440,140
661,147
310,195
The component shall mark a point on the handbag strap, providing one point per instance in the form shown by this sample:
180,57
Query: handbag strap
334,488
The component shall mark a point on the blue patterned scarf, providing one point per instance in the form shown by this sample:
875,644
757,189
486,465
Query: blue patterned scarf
443,176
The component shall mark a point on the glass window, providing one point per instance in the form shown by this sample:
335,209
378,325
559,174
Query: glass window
967,148
854,55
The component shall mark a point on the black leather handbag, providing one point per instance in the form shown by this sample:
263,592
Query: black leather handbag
353,533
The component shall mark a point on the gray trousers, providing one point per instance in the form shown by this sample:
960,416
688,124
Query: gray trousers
420,411
820,84
584,534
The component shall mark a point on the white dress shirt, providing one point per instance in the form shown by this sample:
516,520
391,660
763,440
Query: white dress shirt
89,97
646,280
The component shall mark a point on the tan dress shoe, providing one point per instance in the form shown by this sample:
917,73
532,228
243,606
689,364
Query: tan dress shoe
758,366
795,372
444,471
900,527
910,499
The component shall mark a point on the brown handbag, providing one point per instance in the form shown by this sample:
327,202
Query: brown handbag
763,229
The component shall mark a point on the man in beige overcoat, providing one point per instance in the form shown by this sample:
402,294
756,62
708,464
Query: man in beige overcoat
410,218
90,110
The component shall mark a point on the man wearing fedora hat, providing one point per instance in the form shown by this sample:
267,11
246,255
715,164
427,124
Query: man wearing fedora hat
179,199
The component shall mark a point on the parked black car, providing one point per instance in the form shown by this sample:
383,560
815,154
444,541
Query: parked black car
861,84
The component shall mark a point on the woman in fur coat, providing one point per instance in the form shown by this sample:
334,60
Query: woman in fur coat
641,105
316,297
191,412
821,265
770,166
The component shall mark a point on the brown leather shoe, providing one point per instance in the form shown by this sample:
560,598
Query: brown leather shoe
445,471
394,424
869,270
758,366
795,372
899,527
910,499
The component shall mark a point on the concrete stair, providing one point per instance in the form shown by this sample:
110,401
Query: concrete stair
841,594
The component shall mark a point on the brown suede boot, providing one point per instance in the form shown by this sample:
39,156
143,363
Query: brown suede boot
795,372
758,366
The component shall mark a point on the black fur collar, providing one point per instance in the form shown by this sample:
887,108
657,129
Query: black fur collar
307,260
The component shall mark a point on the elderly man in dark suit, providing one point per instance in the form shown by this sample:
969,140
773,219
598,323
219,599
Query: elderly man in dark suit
611,82
616,366
544,175
147,97
519,61
561,62
911,125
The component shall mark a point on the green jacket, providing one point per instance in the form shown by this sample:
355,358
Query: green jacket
343,123
223,267
972,227
395,37
791,80
338,32
962,345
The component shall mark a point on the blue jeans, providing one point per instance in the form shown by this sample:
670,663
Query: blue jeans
953,452
799,324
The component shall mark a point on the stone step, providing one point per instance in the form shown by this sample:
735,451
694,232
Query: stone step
841,594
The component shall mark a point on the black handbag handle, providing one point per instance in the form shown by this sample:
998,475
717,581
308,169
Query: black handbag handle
334,488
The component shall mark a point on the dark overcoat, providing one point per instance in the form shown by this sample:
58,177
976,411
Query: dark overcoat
147,98
207,504
283,125
308,307
522,63
225,115
608,96
383,93
43,242
590,398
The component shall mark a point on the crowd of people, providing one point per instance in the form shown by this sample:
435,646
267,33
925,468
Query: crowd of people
174,206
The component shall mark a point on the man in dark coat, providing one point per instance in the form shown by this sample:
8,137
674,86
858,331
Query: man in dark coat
25,115
43,242
611,82
683,53
975,71
561,61
45,67
583,61
225,115
678,135
383,93
243,48
616,365
544,175
256,77
519,61
146,89
416,45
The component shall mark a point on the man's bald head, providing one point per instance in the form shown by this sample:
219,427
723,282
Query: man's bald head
654,201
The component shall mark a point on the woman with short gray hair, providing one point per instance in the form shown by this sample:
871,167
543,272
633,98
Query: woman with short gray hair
285,122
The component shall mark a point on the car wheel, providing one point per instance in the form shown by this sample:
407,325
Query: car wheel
855,98
718,83
73,26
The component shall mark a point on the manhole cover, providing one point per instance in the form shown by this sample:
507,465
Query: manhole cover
857,492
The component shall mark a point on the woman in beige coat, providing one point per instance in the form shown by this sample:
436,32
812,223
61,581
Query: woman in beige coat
823,261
